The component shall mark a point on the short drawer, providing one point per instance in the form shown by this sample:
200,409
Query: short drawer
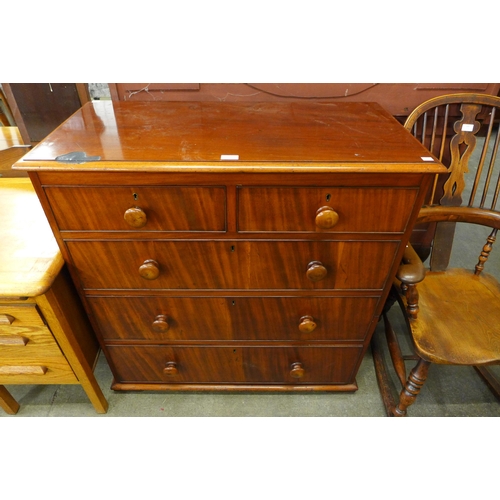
27,342
335,209
233,264
235,365
233,318
170,208
24,335
29,353
19,316
51,370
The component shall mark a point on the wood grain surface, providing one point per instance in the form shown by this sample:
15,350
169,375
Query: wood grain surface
265,271
282,136
29,256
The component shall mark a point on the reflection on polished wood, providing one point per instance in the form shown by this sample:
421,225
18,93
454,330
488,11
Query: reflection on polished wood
266,136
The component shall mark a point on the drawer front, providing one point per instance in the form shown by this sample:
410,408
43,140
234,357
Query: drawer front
235,365
233,264
296,209
233,318
19,316
176,208
33,342
50,370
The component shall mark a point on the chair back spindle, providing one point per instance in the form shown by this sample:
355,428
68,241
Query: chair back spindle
463,132
485,253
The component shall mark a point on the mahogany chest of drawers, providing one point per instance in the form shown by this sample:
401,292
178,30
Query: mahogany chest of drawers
244,246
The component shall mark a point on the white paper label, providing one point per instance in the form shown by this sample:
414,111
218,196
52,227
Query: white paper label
467,127
229,157
427,158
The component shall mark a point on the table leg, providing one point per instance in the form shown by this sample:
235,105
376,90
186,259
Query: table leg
7,402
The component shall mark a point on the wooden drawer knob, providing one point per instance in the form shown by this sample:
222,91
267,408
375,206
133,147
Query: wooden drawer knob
150,269
160,324
135,217
170,368
316,271
297,370
326,217
6,319
307,324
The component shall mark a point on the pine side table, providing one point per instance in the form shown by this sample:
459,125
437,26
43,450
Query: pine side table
45,335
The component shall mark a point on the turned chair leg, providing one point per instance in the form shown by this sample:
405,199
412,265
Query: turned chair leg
412,297
412,388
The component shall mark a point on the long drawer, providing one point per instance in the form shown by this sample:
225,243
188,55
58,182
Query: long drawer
233,264
233,318
291,209
167,208
235,365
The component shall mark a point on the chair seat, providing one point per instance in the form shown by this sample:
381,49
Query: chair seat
459,318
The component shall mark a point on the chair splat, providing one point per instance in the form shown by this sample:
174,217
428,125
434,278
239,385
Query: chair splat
465,134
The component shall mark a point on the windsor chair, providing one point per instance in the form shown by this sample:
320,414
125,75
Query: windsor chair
452,315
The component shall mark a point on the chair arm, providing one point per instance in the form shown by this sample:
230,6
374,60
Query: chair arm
411,271
471,215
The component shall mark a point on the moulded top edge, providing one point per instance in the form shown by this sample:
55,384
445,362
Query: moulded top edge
231,167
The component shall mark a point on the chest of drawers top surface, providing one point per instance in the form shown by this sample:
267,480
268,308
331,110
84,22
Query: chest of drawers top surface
231,136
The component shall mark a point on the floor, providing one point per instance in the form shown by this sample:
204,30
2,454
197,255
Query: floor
449,391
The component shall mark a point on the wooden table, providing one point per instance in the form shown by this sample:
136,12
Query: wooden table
243,246
45,335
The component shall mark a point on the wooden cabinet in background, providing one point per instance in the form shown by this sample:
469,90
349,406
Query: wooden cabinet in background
38,108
